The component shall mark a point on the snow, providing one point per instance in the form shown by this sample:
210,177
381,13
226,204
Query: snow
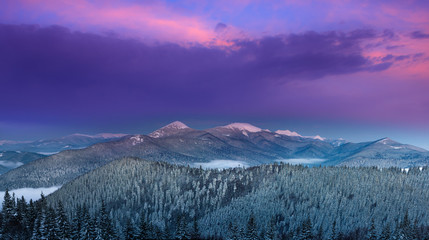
295,134
110,135
100,135
29,193
136,139
317,137
176,125
396,147
385,141
221,164
243,127
164,131
288,133
10,164
47,153
304,161
1,154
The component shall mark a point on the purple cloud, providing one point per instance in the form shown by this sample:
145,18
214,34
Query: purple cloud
58,72
419,35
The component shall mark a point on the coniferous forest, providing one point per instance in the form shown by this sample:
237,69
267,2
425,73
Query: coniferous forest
138,199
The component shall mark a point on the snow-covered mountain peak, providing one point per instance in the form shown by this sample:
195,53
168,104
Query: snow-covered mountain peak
318,137
175,125
386,141
168,129
288,133
243,127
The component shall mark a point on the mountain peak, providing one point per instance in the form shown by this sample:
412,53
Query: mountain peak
288,133
176,125
168,129
243,127
385,140
318,137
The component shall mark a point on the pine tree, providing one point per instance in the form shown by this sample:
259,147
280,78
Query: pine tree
233,232
31,216
92,228
251,232
62,224
405,228
372,234
306,230
386,233
7,215
76,223
271,230
195,233
37,234
105,223
180,227
40,229
129,231
51,224
334,235
143,232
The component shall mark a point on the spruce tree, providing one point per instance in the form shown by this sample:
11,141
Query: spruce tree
386,233
8,213
233,232
334,235
271,230
62,224
195,233
372,234
129,231
105,223
143,231
251,230
51,224
306,230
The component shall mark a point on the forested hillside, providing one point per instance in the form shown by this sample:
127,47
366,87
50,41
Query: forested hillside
282,196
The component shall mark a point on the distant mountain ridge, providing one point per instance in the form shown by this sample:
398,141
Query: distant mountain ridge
180,144
55,145
13,159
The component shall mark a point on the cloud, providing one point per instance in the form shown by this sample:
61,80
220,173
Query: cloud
220,27
54,71
419,35
149,20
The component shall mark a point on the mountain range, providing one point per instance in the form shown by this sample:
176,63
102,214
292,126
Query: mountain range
231,144
55,145
13,159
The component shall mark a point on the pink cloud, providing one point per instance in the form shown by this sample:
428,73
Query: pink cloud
150,22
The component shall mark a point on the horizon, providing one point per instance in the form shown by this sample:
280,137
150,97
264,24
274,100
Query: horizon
357,70
206,127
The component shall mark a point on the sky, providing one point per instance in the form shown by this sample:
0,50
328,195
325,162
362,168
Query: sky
337,68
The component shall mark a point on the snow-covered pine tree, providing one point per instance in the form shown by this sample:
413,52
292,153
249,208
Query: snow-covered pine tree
8,213
372,234
386,233
129,233
143,230
62,224
233,232
306,232
105,223
195,233
251,229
